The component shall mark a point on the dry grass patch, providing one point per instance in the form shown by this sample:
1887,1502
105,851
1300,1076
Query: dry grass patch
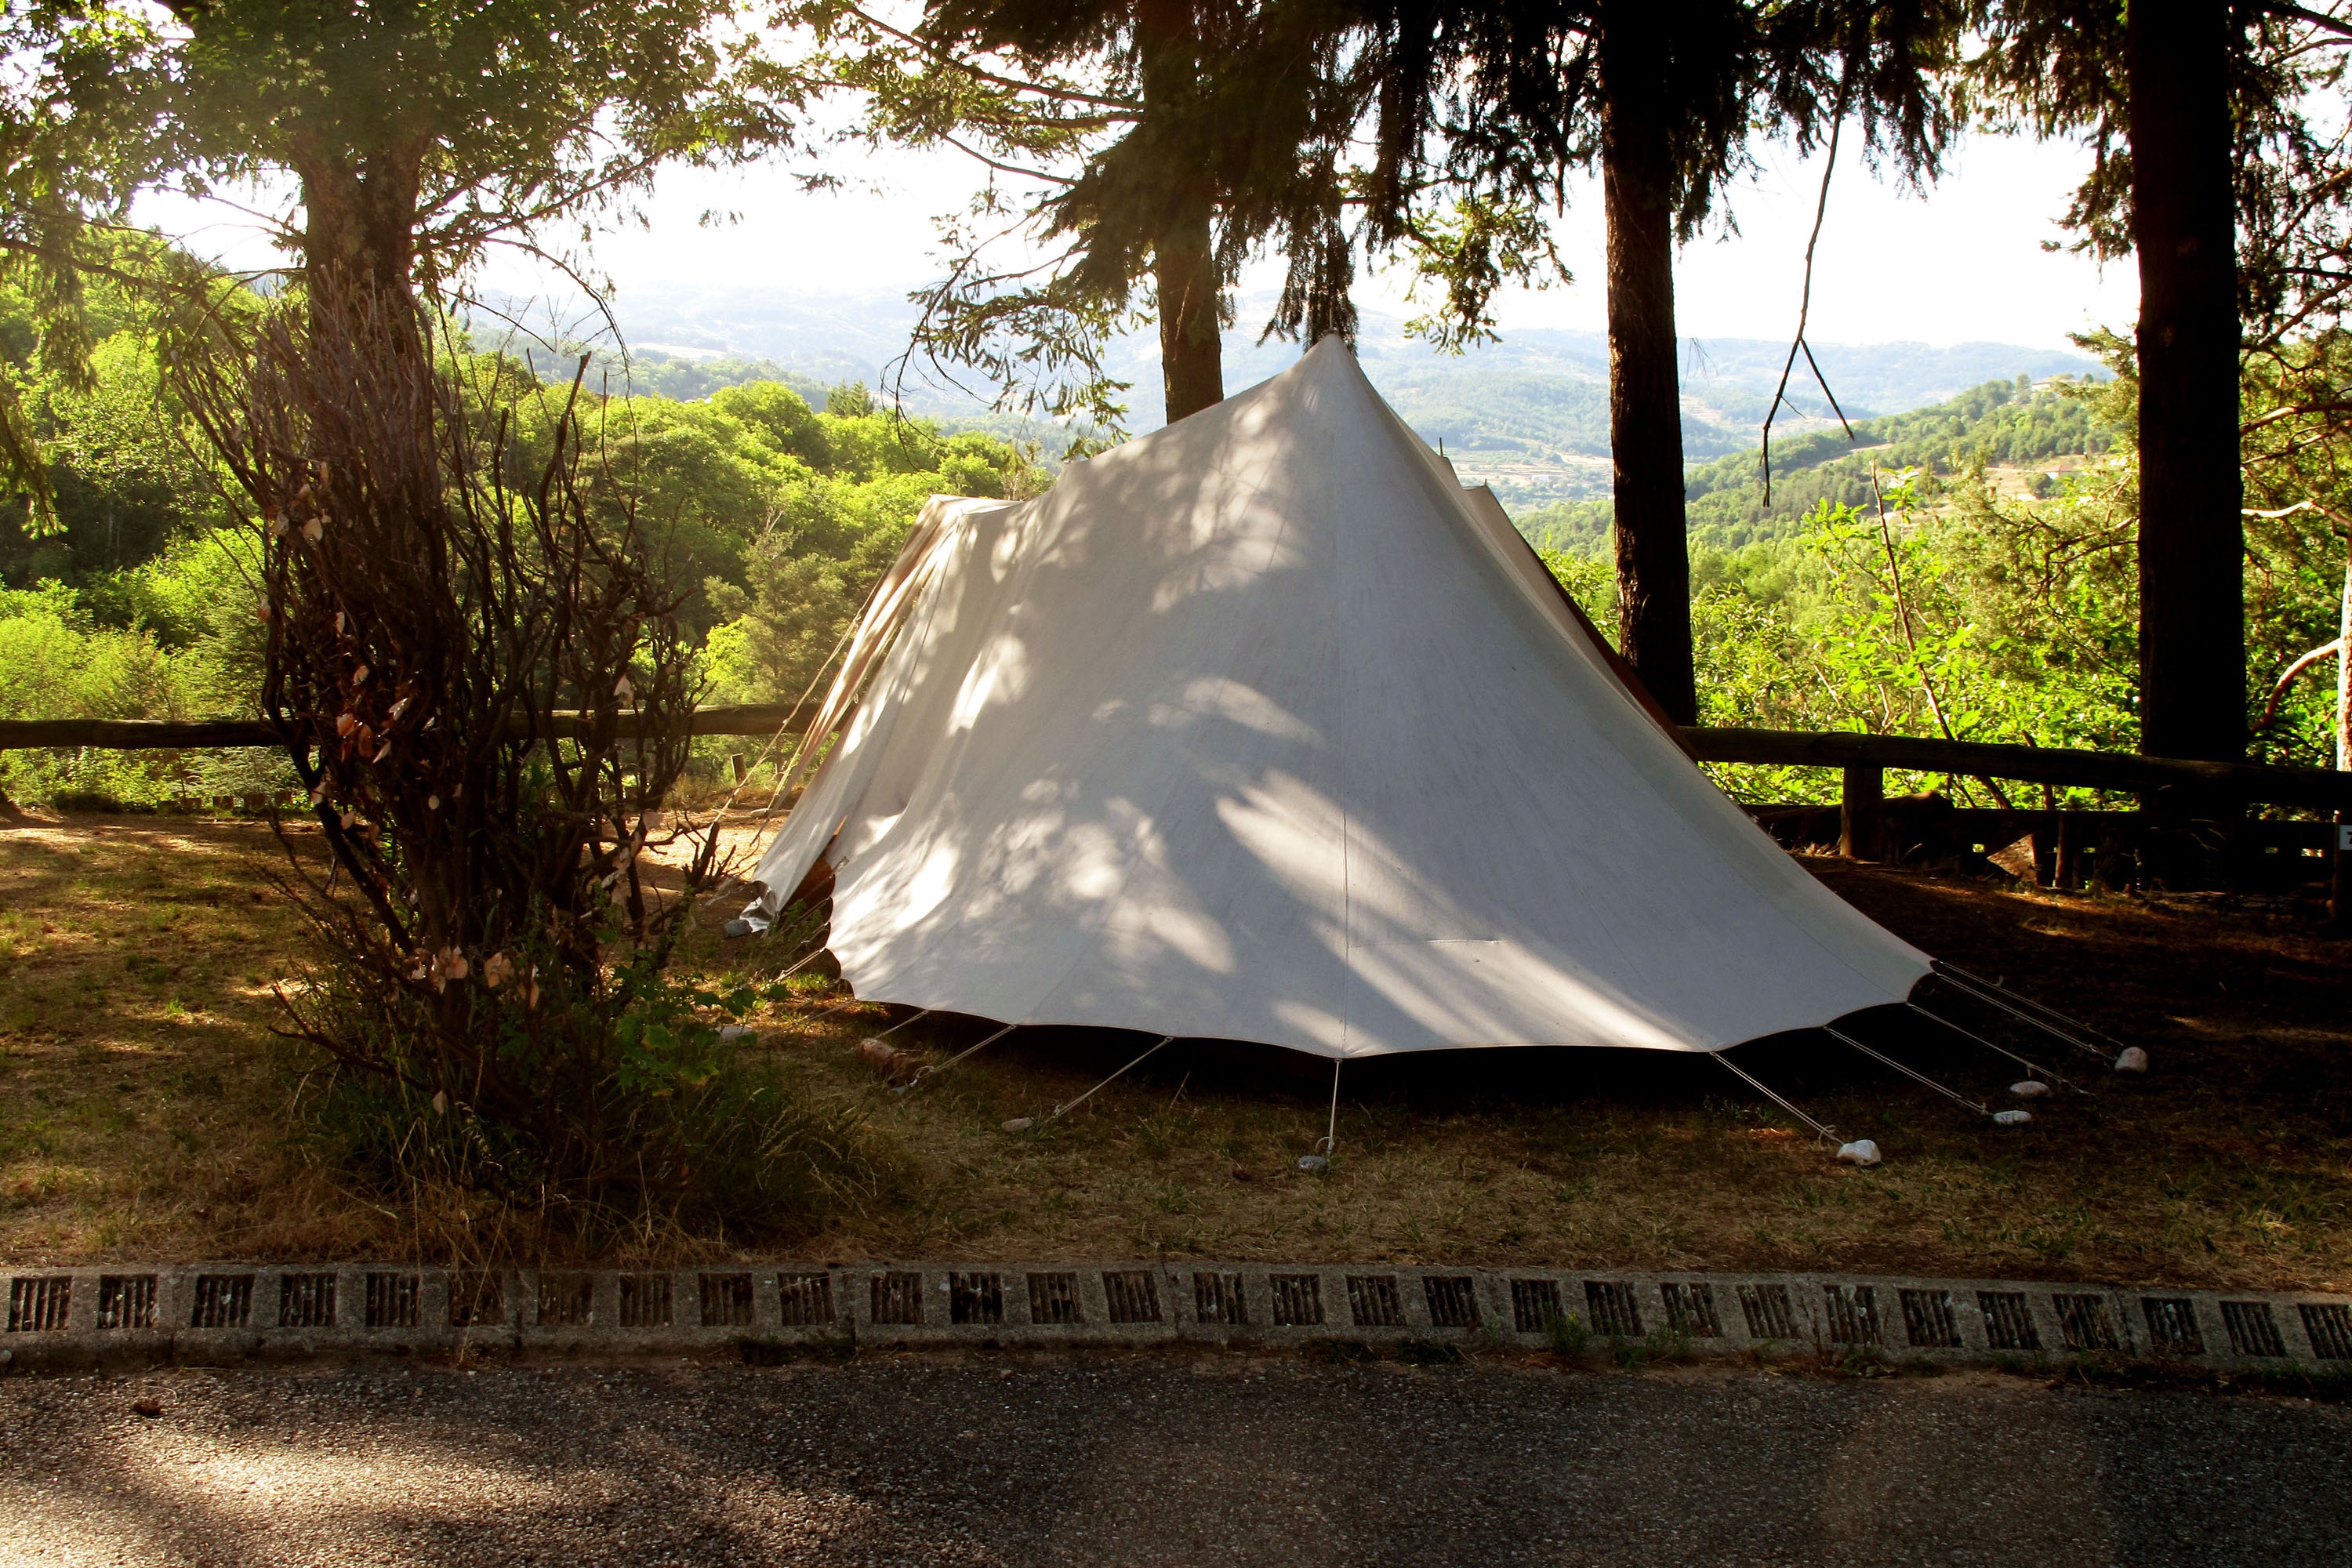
143,1111
134,951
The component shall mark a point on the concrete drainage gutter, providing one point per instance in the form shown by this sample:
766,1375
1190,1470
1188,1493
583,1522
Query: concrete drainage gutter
226,1313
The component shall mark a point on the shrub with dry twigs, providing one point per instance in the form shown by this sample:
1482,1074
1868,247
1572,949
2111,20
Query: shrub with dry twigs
480,677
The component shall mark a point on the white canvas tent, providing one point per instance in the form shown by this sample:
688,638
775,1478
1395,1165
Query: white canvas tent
1264,728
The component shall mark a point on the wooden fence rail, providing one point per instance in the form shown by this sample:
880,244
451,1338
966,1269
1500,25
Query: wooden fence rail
2121,770
1863,759
159,734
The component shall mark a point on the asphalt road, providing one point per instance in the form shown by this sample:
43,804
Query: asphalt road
1172,1461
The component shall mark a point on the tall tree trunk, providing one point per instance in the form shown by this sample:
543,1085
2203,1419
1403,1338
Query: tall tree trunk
1183,258
2339,884
358,235
1191,357
1645,420
360,287
2193,632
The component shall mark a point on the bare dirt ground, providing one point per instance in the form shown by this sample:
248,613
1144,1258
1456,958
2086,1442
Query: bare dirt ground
145,1104
1229,1460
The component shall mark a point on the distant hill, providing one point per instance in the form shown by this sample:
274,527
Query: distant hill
2022,433
651,370
1531,415
2013,425
1528,416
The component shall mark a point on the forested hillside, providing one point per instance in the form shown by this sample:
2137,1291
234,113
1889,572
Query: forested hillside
776,502
1998,425
1995,598
651,373
2043,428
772,512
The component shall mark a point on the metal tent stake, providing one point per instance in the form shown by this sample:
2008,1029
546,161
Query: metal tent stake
927,1071
2030,1067
1320,1160
1861,1152
1062,1110
2026,1010
1914,1073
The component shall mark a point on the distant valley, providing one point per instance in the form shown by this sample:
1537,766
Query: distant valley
1528,416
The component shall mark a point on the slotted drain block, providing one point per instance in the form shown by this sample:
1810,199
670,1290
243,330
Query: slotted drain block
803,1301
2329,1324
1853,1314
306,1300
2085,1323
37,1304
2253,1330
126,1302
1690,1310
1373,1301
1217,1298
1133,1295
1297,1299
223,1302
975,1299
1927,1319
1054,1299
1768,1313
2172,1325
725,1300
1534,1303
476,1298
2009,1322
1452,1303
392,1300
898,1297
645,1302
1614,1309
567,1301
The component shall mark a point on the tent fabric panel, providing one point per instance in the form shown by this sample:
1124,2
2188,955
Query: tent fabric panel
1583,812
1055,863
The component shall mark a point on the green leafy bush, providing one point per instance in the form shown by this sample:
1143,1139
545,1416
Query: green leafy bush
56,662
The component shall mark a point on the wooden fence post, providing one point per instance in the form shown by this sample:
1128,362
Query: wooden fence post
2339,882
1861,813
2068,873
2045,830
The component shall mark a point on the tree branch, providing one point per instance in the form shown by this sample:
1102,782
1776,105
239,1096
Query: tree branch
2311,18
956,62
2319,655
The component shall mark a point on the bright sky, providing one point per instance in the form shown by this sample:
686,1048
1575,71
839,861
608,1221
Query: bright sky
1965,265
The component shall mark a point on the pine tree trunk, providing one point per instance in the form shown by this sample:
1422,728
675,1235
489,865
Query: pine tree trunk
1183,270
1184,260
1646,427
2191,536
